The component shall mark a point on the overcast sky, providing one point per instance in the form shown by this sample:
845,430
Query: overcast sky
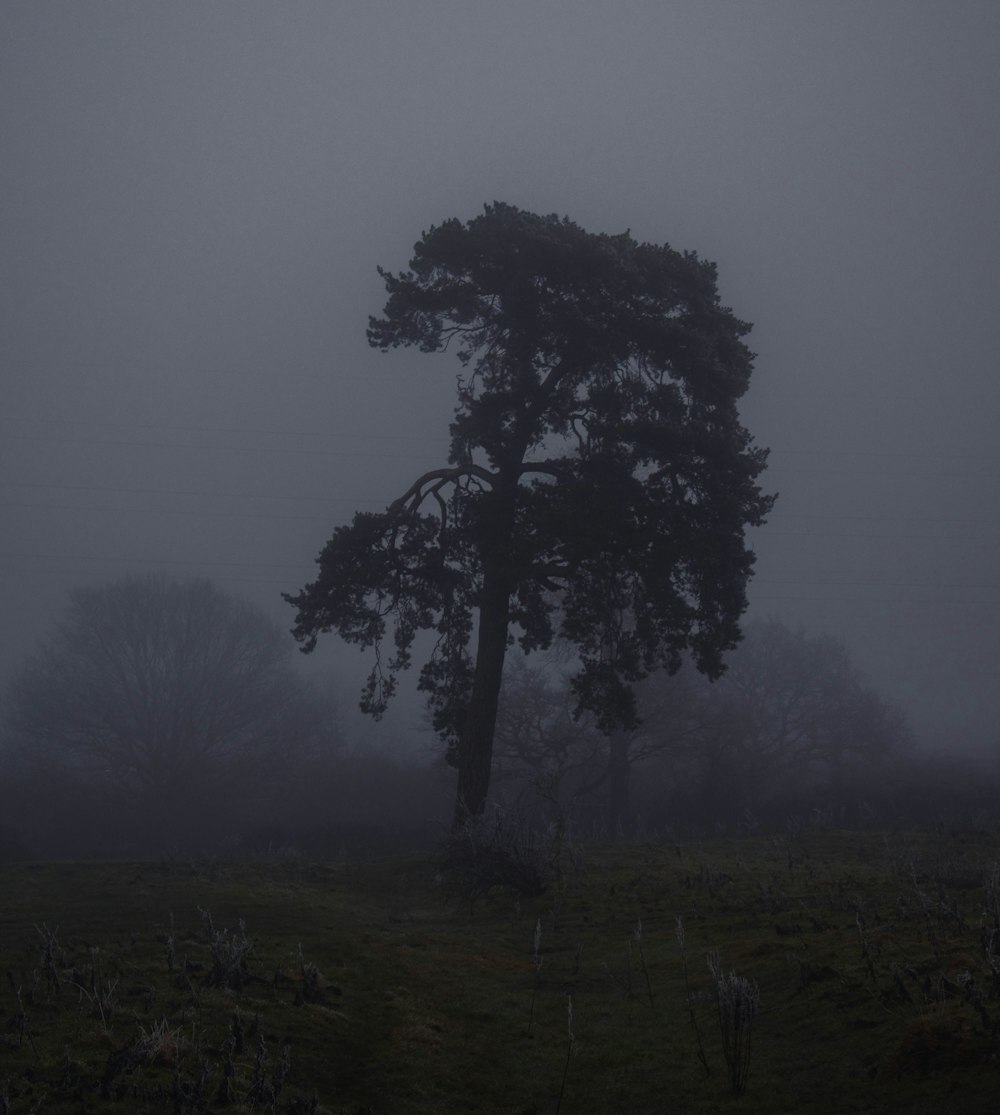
194,196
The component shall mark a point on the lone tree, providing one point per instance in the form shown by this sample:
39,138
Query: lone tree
162,688
598,485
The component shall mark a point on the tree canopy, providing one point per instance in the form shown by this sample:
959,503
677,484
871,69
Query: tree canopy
598,486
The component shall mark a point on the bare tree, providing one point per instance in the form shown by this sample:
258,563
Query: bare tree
171,689
542,738
791,720
542,741
791,715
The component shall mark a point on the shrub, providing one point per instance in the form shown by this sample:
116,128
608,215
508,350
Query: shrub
496,850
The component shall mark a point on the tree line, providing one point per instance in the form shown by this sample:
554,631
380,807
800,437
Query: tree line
791,728
578,568
163,715
167,715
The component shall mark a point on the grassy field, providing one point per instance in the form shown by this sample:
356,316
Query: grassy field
373,987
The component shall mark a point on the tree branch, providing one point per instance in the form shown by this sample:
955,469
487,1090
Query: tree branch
415,495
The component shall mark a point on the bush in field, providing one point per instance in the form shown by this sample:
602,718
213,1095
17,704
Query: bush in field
496,849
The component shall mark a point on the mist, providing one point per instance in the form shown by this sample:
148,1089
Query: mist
196,197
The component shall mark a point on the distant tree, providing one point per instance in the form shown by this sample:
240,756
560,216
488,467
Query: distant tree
162,688
672,712
792,714
792,719
578,768
541,743
599,481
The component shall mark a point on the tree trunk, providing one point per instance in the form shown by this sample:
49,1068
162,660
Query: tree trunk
475,749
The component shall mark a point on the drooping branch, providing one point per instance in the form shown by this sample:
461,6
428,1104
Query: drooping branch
412,498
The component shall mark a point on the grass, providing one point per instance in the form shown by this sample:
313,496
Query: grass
371,988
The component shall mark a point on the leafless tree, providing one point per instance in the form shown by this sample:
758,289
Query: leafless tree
792,720
541,745
791,714
576,767
162,688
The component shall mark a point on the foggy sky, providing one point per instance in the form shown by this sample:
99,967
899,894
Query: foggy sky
195,197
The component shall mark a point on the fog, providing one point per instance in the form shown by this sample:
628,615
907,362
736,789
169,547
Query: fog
195,198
